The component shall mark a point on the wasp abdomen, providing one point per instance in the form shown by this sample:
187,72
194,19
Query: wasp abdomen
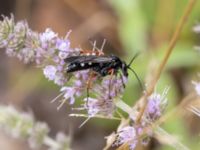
79,66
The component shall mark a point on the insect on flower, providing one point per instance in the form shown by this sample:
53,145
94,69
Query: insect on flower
100,64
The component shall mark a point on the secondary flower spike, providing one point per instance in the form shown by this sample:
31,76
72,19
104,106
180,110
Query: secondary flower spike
156,105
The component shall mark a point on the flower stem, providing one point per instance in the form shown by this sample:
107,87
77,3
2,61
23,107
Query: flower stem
172,44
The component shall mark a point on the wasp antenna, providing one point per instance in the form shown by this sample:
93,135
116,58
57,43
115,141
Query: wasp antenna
133,59
141,85
103,44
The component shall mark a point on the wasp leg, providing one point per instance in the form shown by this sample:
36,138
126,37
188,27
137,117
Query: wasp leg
88,87
89,84
69,77
87,97
122,80
111,72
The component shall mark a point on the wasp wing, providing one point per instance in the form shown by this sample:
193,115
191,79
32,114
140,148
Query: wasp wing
87,59
77,63
71,59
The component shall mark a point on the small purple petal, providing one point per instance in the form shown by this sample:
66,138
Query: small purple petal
59,79
69,93
48,35
50,72
99,106
63,45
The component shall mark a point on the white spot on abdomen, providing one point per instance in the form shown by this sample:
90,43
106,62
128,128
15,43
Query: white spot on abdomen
82,64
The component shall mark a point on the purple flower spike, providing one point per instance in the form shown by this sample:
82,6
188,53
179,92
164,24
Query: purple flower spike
156,105
127,135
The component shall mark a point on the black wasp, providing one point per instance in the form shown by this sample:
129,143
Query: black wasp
101,64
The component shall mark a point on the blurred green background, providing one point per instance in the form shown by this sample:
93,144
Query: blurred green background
129,26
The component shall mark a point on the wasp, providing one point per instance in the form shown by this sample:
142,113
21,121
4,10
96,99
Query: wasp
100,64
103,65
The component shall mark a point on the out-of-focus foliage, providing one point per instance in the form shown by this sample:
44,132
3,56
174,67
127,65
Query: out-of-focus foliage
132,32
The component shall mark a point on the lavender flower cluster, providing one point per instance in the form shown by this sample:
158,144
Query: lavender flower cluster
49,51
141,132
23,125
